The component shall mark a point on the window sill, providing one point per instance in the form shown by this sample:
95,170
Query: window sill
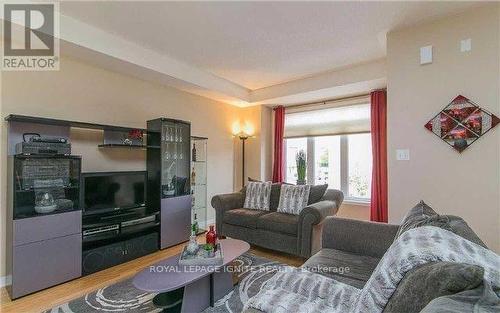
354,201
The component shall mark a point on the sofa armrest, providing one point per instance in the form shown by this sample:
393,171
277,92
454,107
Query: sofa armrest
317,212
361,237
223,203
334,195
310,222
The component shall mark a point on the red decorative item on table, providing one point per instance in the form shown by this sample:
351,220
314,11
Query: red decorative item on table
211,236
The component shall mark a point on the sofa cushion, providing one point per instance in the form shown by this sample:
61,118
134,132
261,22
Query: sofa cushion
432,280
316,193
275,196
458,226
349,268
482,299
243,217
423,215
279,222
420,215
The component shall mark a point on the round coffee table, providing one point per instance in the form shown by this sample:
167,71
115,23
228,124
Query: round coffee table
190,288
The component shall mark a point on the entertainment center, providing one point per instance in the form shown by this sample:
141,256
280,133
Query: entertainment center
117,226
65,223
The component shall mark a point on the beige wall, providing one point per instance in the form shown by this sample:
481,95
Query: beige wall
86,93
466,184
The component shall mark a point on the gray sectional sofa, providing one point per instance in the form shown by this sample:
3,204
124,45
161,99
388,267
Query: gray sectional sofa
360,245
295,234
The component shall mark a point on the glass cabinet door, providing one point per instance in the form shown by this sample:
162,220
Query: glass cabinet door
183,156
175,159
46,185
168,159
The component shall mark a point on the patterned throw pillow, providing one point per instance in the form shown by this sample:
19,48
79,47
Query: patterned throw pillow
258,196
293,198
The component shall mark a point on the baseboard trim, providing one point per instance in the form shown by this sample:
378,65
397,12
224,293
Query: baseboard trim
5,281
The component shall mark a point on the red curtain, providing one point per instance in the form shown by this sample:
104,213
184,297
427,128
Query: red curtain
379,200
279,130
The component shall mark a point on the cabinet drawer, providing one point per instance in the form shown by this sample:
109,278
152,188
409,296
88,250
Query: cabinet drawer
28,230
175,218
47,263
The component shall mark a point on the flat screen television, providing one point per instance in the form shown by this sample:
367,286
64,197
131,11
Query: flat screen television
113,191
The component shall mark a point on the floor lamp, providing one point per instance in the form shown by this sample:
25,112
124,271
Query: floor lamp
243,137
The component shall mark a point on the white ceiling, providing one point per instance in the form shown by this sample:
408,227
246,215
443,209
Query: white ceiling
259,44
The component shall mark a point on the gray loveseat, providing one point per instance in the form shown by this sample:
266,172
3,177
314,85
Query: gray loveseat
295,234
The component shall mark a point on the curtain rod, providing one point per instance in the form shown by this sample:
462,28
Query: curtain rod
327,101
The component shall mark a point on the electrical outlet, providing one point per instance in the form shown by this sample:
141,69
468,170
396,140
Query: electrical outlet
403,154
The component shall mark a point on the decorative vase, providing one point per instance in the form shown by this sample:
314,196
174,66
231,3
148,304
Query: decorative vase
301,182
192,247
211,236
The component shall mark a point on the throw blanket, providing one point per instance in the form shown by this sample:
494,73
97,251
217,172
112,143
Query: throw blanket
302,291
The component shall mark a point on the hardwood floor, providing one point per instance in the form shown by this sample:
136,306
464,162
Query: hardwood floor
59,294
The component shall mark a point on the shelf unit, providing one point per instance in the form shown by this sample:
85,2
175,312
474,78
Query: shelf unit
37,237
199,181
113,135
168,186
66,123
116,145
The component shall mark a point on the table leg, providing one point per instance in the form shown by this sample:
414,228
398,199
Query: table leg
221,283
196,296
171,301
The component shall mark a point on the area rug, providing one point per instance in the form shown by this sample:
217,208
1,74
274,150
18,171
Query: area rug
124,297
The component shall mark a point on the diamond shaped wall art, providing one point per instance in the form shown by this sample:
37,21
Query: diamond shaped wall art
461,123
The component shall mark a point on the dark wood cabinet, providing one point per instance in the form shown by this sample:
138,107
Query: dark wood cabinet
45,248
169,177
46,251
116,253
42,264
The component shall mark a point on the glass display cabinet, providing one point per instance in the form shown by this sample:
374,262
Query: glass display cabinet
45,185
199,181
169,174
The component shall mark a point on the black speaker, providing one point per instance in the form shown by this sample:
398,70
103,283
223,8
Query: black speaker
103,257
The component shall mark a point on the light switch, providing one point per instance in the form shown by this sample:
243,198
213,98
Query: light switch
426,55
466,45
403,154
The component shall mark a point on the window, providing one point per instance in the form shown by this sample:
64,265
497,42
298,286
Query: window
293,146
360,166
337,142
343,162
327,161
